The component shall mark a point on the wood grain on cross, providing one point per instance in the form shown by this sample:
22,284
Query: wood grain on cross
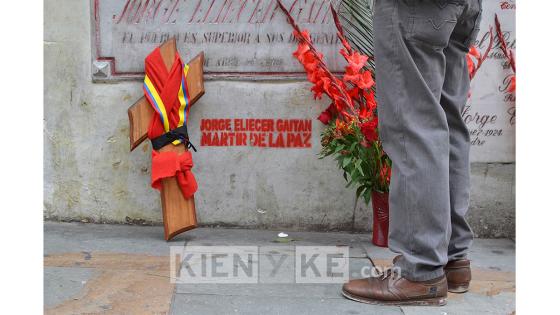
179,214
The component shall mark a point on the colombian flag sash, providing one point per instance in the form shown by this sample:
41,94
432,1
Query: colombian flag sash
168,94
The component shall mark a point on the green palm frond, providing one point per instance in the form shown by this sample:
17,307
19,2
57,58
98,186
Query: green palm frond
357,21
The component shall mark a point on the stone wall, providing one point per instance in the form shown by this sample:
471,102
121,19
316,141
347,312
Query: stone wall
89,173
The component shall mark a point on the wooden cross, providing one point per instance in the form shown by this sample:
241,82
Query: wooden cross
179,214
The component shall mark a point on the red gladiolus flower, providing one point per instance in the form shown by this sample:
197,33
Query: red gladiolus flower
371,104
470,66
474,55
325,117
353,103
315,76
356,61
511,88
369,130
326,82
317,90
474,52
321,85
328,114
304,34
300,52
368,109
354,93
309,61
363,80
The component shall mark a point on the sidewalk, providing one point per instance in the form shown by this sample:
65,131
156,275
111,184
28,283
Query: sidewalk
120,269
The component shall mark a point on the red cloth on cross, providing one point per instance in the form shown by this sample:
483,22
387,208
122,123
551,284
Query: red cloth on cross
167,84
168,164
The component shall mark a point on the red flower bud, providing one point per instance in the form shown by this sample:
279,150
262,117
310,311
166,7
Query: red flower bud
325,117
369,130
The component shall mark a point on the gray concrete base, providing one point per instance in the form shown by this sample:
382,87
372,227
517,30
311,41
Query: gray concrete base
492,208
491,214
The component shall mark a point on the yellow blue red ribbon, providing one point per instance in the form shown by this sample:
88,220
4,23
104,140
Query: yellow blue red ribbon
184,100
156,102
183,96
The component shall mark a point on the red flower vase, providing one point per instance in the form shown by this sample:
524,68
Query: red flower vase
380,204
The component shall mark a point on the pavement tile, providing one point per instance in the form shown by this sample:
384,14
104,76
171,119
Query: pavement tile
468,304
111,283
120,292
211,304
64,283
78,237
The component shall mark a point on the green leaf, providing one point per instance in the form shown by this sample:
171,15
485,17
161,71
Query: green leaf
346,161
339,148
367,197
360,190
359,167
355,175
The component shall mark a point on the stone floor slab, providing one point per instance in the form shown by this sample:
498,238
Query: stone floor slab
64,283
210,304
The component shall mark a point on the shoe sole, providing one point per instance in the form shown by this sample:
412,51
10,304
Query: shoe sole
457,288
440,301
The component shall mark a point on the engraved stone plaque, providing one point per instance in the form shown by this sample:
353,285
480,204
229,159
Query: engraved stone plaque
240,38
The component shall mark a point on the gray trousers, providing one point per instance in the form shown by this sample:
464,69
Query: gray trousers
422,87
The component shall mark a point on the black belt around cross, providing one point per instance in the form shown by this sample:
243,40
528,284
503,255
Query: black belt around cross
180,133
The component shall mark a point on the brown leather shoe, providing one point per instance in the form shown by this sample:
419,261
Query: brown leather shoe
458,274
390,289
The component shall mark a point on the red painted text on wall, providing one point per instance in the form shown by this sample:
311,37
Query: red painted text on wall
256,132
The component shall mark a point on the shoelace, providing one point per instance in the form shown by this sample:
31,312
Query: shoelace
390,273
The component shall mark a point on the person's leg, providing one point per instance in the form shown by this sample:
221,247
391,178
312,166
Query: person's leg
410,68
453,99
